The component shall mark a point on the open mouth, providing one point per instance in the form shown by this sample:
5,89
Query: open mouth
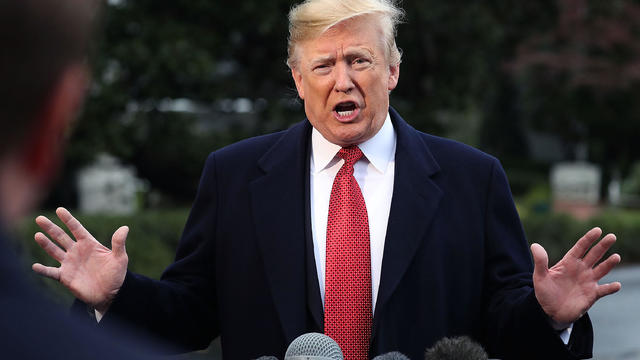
346,110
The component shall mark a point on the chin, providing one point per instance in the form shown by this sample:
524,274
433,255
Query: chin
348,141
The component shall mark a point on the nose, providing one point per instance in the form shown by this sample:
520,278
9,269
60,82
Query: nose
344,78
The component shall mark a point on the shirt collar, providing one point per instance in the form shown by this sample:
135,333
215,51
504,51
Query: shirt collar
379,150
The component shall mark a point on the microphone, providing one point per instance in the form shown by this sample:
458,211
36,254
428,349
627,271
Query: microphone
457,348
394,355
267,358
313,346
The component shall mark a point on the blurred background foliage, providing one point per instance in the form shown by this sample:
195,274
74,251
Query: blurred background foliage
151,243
154,235
531,82
175,80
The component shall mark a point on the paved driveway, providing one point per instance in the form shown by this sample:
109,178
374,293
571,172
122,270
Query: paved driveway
616,318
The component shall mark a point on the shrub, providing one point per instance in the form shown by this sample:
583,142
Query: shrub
151,242
558,232
154,236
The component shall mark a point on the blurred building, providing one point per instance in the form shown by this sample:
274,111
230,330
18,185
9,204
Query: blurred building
107,186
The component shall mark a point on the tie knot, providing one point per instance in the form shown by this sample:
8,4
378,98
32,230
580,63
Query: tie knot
350,154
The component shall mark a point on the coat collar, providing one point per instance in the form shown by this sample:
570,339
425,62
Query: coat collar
280,213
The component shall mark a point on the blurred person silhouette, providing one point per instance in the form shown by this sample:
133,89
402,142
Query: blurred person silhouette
351,223
43,80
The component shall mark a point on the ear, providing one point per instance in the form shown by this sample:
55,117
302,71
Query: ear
45,142
394,75
297,78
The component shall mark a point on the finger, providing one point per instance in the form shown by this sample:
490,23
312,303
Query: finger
47,271
540,260
55,232
580,248
608,289
73,224
49,247
118,241
604,267
598,250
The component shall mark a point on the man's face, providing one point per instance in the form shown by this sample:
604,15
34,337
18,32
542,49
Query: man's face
344,78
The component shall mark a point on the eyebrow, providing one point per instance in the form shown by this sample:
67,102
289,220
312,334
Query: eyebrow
322,59
351,52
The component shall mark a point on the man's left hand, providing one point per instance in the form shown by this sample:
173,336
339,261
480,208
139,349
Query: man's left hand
568,289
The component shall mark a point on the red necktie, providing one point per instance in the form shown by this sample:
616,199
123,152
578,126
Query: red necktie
347,306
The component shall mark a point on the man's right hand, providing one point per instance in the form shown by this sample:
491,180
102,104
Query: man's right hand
91,271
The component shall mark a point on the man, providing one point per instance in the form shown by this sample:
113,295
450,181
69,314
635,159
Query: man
350,222
43,78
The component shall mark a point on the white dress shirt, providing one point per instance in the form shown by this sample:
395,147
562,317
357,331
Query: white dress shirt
374,174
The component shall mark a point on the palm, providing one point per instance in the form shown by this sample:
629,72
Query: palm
91,271
568,289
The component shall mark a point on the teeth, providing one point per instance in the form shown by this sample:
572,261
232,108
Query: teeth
345,113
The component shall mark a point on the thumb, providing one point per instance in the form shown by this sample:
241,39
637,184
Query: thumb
540,260
117,241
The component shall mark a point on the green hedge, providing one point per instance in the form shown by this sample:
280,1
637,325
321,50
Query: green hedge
154,236
151,243
558,232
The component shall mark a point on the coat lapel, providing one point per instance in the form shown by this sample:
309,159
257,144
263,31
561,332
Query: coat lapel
278,205
280,211
416,198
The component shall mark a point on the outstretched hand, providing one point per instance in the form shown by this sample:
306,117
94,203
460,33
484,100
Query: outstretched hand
91,271
568,289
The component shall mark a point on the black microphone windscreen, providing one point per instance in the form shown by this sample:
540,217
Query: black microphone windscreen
457,348
267,358
313,346
394,355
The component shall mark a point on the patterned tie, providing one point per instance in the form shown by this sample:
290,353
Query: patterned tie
347,307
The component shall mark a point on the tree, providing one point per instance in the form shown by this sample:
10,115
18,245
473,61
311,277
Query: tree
581,78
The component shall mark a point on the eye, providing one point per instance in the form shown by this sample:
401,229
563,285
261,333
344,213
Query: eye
322,69
360,62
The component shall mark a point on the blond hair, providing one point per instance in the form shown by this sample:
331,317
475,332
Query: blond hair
313,17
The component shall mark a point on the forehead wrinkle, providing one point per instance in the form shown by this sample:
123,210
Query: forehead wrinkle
358,50
349,51
328,50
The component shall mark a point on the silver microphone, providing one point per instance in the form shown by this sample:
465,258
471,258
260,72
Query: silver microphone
313,346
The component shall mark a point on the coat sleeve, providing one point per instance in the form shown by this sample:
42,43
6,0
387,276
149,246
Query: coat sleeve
516,325
180,308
